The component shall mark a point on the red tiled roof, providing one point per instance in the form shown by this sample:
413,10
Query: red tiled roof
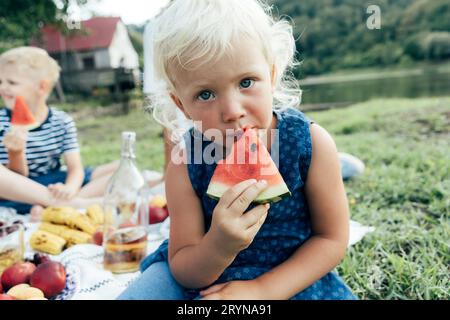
100,32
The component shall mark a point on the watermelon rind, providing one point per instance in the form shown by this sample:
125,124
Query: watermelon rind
271,194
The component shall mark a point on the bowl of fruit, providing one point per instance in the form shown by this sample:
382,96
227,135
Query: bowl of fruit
37,278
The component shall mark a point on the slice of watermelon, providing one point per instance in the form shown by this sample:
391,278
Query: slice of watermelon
249,159
22,116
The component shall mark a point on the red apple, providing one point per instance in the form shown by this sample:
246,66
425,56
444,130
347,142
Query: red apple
4,296
50,277
17,274
39,258
157,214
97,238
1,287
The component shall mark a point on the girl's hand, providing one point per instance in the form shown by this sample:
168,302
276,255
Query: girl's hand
233,290
15,140
61,191
231,228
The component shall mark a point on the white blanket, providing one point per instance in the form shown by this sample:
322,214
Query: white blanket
86,278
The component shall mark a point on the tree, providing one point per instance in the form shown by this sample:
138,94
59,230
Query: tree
436,45
21,20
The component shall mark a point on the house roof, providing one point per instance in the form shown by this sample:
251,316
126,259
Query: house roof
100,32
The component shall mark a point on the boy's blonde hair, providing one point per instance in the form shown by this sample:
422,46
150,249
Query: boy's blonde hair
191,33
33,62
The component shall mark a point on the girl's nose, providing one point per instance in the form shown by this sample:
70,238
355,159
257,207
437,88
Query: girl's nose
232,110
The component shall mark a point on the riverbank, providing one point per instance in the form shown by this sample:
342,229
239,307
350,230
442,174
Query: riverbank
376,73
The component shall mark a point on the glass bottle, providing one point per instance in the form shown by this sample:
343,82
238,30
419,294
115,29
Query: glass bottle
125,238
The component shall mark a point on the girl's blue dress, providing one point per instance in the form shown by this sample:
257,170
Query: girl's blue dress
288,223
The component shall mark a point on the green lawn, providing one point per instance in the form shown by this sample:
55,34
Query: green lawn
404,193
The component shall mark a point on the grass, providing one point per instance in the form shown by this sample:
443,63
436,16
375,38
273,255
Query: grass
100,139
404,192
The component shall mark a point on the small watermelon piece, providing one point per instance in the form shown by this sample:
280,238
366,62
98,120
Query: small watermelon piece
22,116
249,159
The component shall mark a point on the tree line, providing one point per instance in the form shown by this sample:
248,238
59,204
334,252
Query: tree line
333,34
330,34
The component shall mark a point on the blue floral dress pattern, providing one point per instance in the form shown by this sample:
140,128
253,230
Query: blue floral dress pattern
287,225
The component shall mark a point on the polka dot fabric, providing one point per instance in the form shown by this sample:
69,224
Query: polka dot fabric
287,225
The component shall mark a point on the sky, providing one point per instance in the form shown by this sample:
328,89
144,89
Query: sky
131,11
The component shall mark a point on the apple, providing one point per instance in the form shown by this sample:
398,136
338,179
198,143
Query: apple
17,274
157,214
158,201
97,238
4,296
1,287
39,258
24,291
50,277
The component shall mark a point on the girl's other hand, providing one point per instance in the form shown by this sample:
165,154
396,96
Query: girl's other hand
233,290
230,225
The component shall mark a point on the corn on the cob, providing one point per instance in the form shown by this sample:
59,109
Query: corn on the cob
70,217
53,228
47,242
70,235
95,213
58,215
82,222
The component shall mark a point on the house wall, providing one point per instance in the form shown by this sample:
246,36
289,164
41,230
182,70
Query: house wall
102,59
73,61
121,51
67,61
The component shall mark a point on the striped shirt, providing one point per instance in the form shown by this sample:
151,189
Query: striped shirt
46,144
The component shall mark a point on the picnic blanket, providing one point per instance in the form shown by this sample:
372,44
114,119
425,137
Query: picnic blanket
86,278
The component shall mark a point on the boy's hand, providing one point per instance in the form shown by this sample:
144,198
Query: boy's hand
15,140
62,191
36,213
232,229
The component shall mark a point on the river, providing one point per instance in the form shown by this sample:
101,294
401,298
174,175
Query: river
336,91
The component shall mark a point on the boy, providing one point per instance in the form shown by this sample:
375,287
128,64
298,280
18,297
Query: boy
31,73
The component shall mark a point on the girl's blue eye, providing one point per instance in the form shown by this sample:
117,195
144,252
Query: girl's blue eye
246,83
205,95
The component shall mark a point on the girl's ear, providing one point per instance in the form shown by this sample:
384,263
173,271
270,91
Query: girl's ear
273,77
179,104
